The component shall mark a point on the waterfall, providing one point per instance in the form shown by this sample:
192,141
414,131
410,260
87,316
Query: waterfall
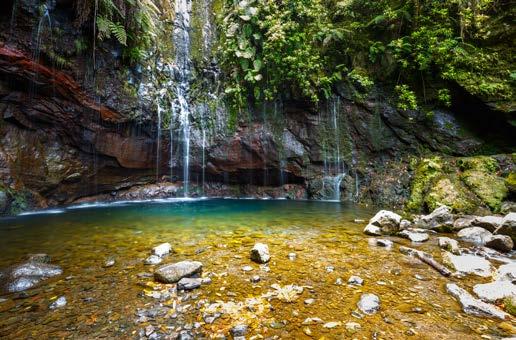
203,157
43,18
182,72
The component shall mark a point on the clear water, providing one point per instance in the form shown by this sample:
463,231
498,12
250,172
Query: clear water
103,302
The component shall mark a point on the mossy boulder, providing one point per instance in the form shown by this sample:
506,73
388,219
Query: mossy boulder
510,182
480,177
448,190
426,171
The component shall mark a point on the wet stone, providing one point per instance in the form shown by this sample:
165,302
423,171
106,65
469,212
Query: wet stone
239,330
473,306
189,283
501,243
475,235
59,303
449,244
255,279
309,301
414,236
353,327
40,258
171,273
110,262
260,253
162,249
292,256
247,268
493,291
153,260
368,303
469,264
355,281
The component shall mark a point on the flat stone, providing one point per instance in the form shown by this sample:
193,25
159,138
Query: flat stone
369,303
501,243
152,260
187,283
414,236
332,324
255,279
506,272
247,268
475,235
355,281
449,244
388,221
372,230
469,264
473,306
171,273
353,326
260,253
59,303
489,223
493,291
309,301
162,249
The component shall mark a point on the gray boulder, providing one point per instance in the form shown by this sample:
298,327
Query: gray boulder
508,226
369,303
473,306
475,235
506,272
388,221
260,253
501,243
372,230
162,249
440,218
171,273
27,275
488,222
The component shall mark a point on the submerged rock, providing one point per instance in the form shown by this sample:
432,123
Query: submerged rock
110,262
189,283
473,306
501,243
493,291
414,236
449,244
488,222
475,235
27,275
239,330
59,303
260,253
440,218
162,249
469,264
369,303
388,221
171,273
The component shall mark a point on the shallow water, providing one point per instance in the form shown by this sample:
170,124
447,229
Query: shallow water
103,302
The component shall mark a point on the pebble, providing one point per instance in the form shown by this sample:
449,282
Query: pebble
255,279
332,324
152,260
353,326
59,303
260,253
110,262
162,249
239,330
330,269
369,303
309,301
355,281
188,283
339,281
292,256
247,268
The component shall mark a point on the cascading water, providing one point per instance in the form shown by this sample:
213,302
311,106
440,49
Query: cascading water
44,18
158,141
182,72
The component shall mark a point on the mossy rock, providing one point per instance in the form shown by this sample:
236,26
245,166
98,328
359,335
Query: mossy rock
427,170
448,190
510,182
510,305
479,163
490,188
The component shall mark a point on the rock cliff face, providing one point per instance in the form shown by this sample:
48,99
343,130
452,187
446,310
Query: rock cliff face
69,131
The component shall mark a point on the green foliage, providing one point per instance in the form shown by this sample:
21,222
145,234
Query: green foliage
406,98
301,48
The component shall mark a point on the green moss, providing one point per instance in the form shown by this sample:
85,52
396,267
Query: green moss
510,182
427,170
488,187
448,190
510,305
480,163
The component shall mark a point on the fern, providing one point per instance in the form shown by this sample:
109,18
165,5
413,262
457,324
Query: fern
118,31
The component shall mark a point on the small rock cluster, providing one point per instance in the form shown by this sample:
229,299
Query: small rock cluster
488,238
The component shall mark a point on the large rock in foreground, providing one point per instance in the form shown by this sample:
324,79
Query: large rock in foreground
473,306
469,264
171,273
475,235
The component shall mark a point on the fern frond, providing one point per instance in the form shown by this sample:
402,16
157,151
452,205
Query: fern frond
118,31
